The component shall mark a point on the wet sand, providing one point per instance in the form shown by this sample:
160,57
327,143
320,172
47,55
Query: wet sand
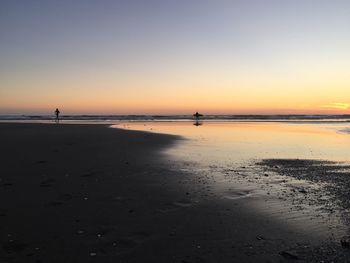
89,193
333,176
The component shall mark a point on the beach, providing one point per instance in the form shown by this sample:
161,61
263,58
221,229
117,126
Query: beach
92,193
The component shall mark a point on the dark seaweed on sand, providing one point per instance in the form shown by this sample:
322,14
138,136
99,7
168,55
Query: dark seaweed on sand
335,176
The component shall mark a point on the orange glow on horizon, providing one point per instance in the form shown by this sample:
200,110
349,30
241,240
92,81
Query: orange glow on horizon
217,92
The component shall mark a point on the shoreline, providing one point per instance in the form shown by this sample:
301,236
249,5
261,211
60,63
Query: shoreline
90,193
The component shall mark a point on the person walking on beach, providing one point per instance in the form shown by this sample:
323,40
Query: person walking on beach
57,113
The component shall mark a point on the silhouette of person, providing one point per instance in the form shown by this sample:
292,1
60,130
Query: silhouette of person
196,116
57,113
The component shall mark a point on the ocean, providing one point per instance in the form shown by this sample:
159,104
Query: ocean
111,118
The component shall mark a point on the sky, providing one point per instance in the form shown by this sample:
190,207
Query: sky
175,57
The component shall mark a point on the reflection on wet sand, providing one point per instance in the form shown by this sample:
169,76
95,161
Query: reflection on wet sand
197,123
227,142
274,168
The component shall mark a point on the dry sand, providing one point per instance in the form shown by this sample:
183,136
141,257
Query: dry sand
89,193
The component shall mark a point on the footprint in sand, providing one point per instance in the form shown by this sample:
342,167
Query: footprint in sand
3,211
54,203
6,184
239,195
183,203
88,174
47,183
14,246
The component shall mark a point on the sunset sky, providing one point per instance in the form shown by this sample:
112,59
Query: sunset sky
175,57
